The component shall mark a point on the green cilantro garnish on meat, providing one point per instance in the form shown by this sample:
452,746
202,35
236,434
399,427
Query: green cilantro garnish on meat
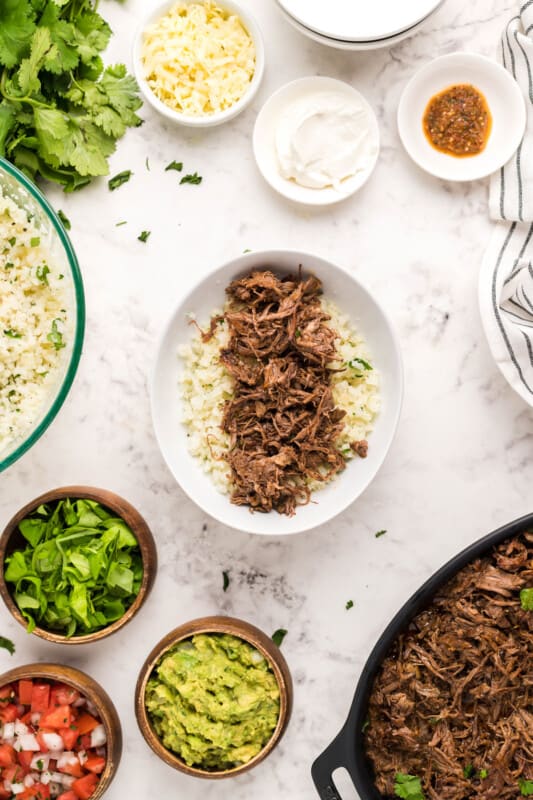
526,599
119,179
177,165
278,636
35,241
297,333
143,237
225,581
42,273
7,644
61,111
55,336
468,771
64,219
380,533
349,605
408,787
483,774
526,787
195,179
12,334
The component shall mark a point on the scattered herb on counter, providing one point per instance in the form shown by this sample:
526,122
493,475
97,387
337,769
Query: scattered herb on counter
79,572
526,787
119,179
143,237
225,581
12,334
118,224
195,179
247,250
147,163
380,533
7,644
349,605
468,771
408,787
278,636
177,165
55,336
61,111
526,599
64,219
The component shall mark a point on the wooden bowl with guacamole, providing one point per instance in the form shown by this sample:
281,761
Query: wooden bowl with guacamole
214,697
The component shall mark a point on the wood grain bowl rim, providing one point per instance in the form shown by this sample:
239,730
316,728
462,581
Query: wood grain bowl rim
123,509
96,694
242,630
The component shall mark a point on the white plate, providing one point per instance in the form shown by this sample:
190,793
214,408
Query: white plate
340,44
505,102
208,294
264,143
209,120
359,20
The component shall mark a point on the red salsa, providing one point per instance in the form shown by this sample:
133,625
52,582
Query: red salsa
457,121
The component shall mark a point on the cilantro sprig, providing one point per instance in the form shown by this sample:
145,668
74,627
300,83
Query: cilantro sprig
61,111
80,570
408,787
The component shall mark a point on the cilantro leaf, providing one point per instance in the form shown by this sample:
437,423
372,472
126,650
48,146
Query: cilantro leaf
119,179
483,774
195,179
526,599
526,787
143,237
278,636
16,29
55,336
349,605
11,334
380,533
468,771
225,581
408,787
7,644
177,165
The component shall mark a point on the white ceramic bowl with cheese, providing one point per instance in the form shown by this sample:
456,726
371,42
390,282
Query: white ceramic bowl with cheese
206,120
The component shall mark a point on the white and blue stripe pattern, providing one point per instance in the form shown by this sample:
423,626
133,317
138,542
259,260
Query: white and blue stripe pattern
506,278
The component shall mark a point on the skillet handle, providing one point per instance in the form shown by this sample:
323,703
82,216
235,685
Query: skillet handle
332,758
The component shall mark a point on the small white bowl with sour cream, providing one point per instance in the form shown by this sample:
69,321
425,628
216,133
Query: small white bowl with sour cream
316,140
180,41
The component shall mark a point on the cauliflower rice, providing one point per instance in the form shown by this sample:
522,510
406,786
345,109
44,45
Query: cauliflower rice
206,384
34,323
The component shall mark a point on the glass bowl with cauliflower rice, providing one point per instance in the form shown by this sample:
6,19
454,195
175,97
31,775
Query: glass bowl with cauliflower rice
42,314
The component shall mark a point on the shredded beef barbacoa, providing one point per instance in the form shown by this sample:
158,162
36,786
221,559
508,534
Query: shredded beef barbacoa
453,701
281,419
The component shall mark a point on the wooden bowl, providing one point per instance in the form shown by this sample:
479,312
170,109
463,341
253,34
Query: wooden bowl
88,687
234,627
12,539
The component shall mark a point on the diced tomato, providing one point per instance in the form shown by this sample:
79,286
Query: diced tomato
24,758
25,692
59,717
76,770
9,713
69,736
85,742
95,764
84,787
40,697
86,723
7,692
63,695
13,774
41,742
7,755
26,718
38,791
5,794
68,796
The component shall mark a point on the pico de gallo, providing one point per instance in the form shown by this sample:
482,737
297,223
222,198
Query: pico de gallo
52,742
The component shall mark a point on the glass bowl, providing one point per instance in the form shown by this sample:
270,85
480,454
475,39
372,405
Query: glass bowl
26,195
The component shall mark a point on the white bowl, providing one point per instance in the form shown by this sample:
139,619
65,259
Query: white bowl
208,294
345,44
264,142
209,120
360,21
505,102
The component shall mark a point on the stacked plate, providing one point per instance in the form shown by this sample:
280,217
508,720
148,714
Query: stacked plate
359,25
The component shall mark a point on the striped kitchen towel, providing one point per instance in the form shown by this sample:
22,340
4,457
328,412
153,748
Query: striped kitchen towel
506,277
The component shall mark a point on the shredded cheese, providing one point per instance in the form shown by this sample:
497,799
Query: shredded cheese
198,58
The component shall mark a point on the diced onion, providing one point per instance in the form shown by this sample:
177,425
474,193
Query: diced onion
98,736
28,742
28,781
20,728
53,741
16,788
66,759
40,761
8,731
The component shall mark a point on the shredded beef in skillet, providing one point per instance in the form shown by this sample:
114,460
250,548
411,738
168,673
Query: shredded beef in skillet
454,697
282,419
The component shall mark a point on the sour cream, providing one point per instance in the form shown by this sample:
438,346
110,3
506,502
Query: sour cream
323,138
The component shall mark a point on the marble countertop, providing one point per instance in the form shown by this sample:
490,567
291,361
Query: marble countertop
462,460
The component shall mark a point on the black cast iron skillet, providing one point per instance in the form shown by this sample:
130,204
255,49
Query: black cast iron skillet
347,749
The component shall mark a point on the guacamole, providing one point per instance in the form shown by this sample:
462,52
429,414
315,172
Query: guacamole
213,700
